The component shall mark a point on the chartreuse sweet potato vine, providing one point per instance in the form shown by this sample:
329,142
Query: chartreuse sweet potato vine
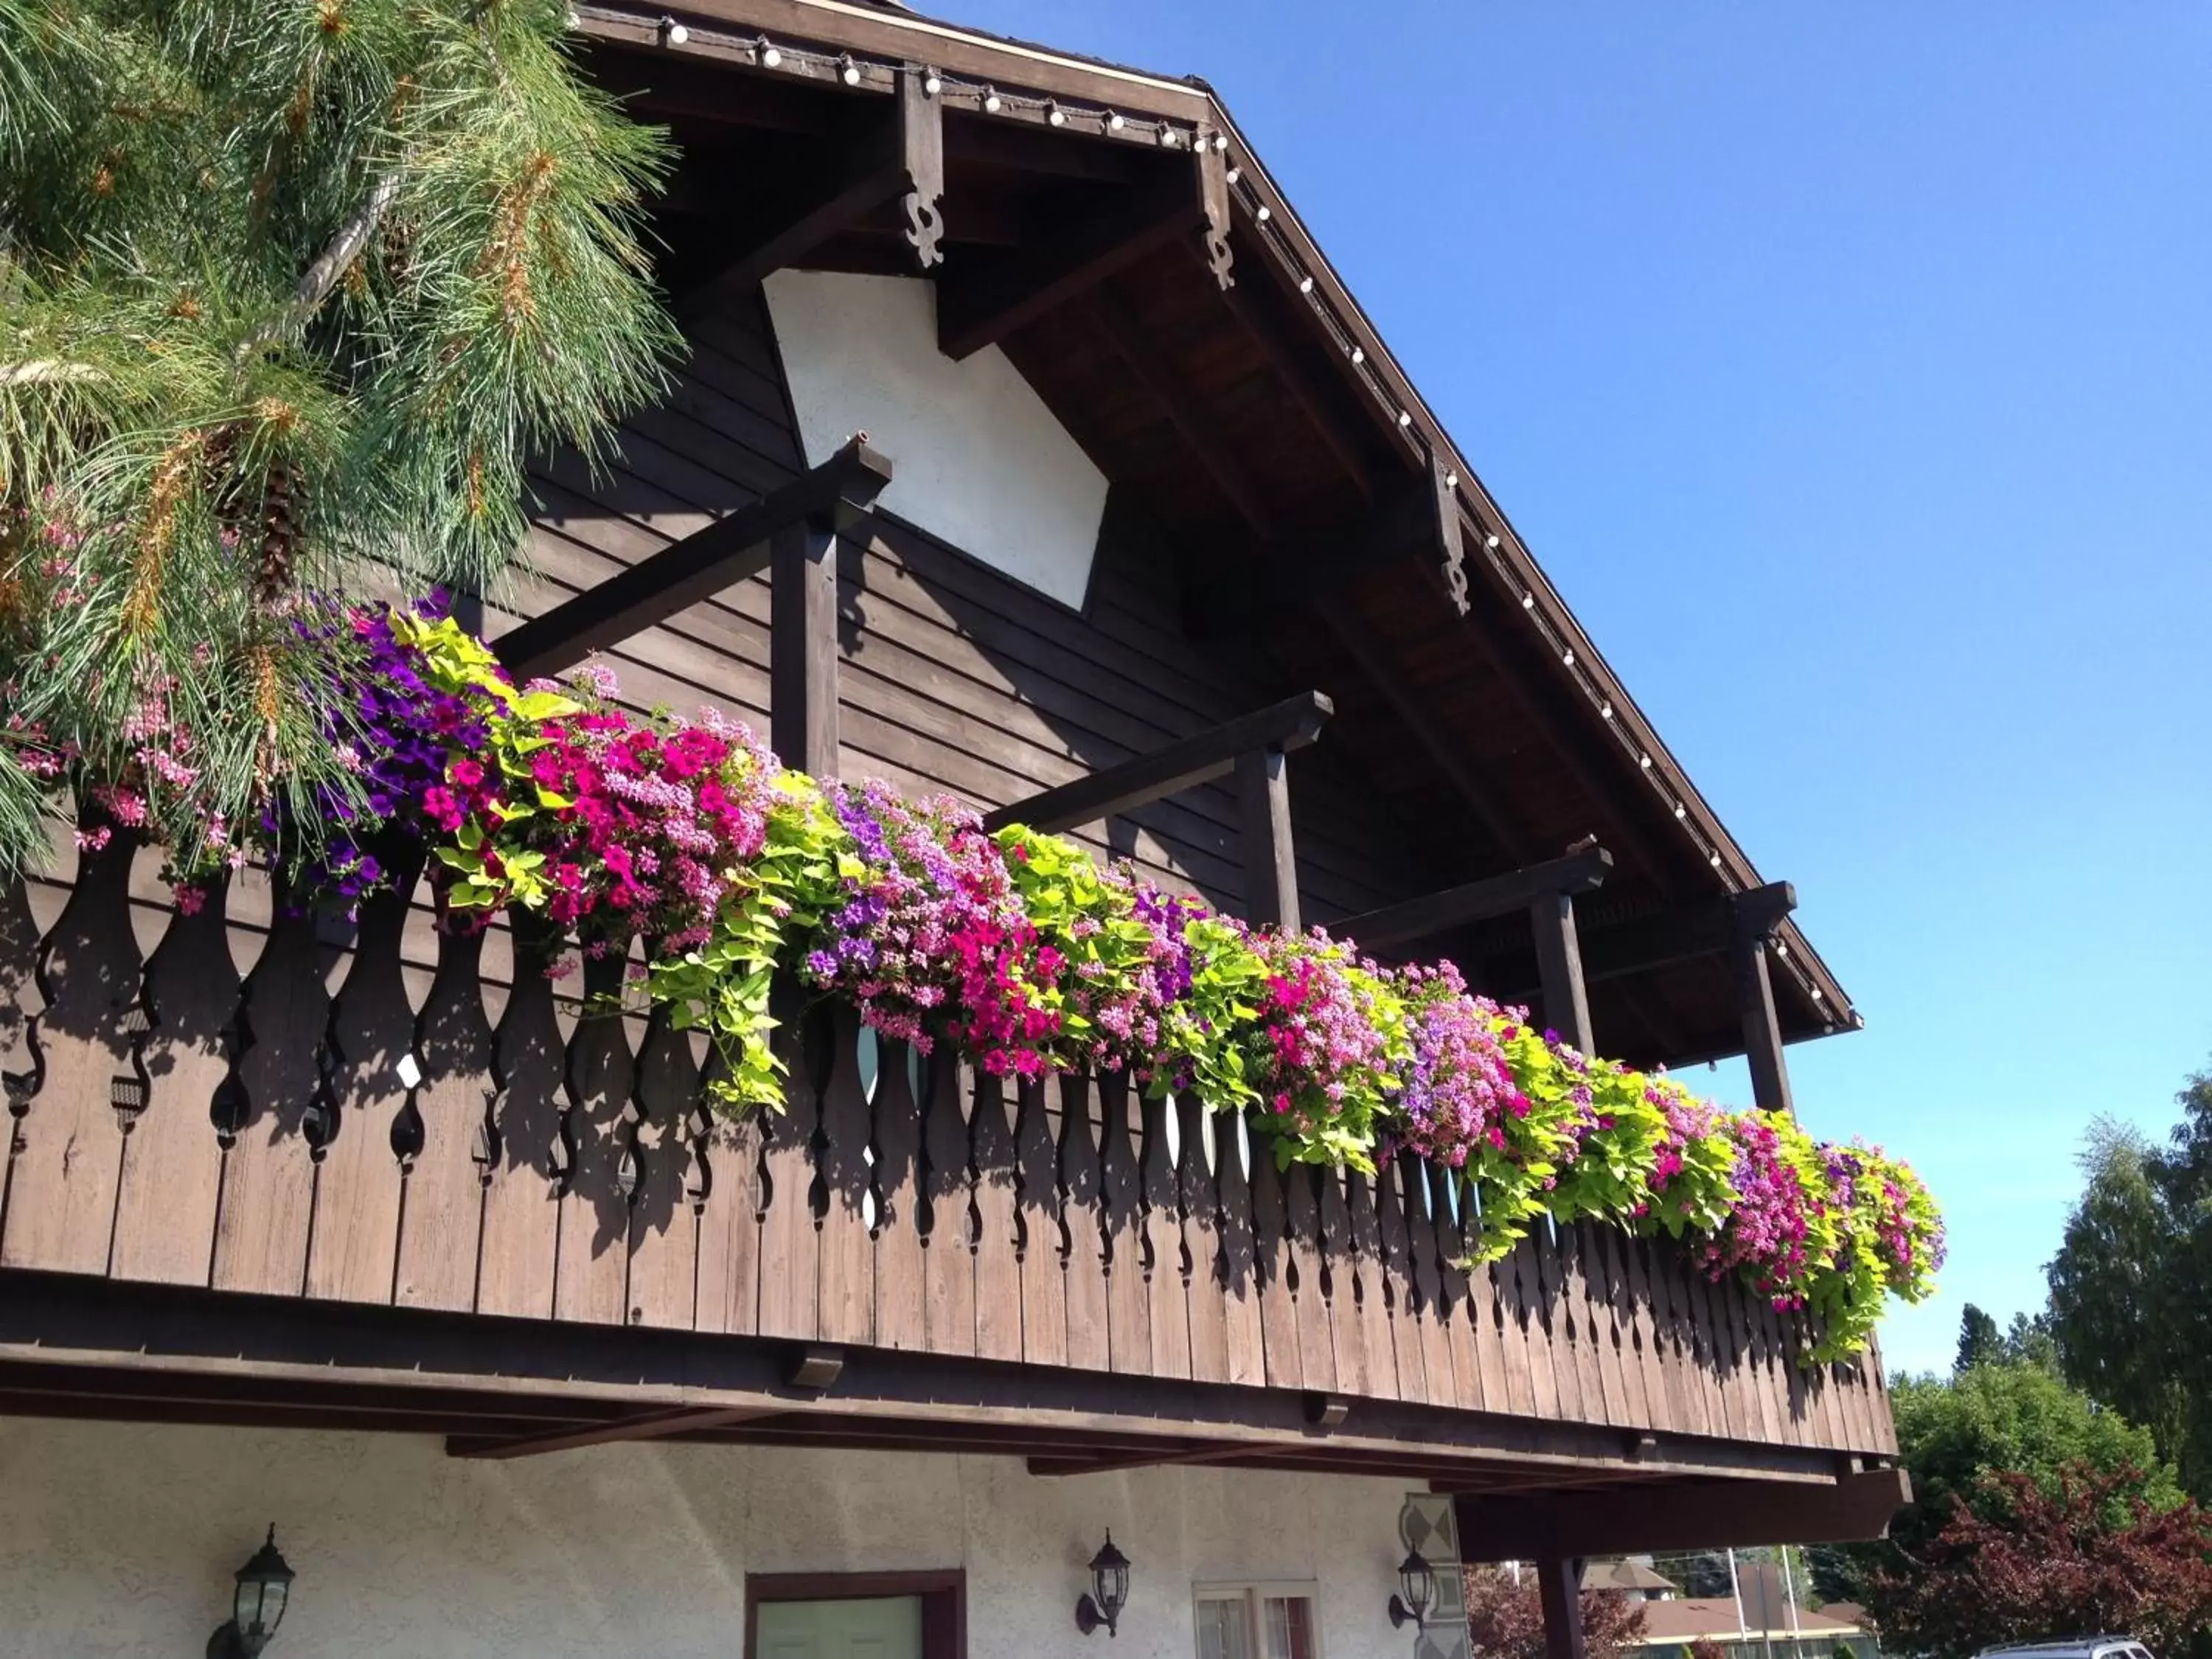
1026,957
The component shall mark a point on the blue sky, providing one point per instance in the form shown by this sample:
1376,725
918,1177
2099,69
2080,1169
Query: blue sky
1850,370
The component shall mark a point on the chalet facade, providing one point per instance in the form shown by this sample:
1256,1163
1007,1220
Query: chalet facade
378,1236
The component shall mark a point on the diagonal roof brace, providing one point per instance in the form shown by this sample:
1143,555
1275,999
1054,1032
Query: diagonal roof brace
832,497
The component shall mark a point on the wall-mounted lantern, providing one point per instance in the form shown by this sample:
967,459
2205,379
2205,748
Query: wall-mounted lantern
1109,1591
1417,1591
264,1585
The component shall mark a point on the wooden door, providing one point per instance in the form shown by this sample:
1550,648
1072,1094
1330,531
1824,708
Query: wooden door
877,1627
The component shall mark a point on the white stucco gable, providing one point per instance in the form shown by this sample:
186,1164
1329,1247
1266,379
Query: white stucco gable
979,460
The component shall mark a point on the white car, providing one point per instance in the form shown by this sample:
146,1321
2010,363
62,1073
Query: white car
2081,1647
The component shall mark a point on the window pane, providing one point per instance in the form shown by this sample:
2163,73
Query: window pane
1223,1633
1289,1619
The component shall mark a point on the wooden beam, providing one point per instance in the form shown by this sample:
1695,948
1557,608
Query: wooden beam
1313,573
1141,355
1476,900
1163,1456
1291,370
1559,969
835,494
980,303
1271,865
645,1425
803,648
1487,803
1755,928
1558,1583
895,150
1707,927
1291,724
1732,1513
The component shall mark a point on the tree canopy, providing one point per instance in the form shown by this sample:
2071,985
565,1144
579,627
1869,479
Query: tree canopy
2129,1307
291,290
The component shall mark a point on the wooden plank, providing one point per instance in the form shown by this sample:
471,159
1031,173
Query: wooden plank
902,1292
847,1262
1373,1294
1271,865
269,1170
1424,1279
1199,1201
592,1281
1737,1513
997,1210
448,1120
522,1185
353,1253
1081,1215
1476,900
1347,1313
1240,1284
1396,1249
1167,1315
1291,724
1455,1288
725,552
1311,1287
1518,1332
170,1186
645,1425
949,1238
790,1251
66,1156
1128,1302
730,1219
663,1240
1039,1228
1283,1362
803,666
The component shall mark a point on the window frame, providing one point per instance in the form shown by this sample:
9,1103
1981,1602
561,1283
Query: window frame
1252,1593
943,1593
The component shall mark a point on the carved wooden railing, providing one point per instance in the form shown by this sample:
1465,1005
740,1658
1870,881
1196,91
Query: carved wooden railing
231,1099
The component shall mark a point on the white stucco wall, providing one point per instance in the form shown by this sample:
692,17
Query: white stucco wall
122,1540
977,460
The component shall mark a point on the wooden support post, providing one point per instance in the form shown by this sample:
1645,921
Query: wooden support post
1755,928
1558,1578
833,496
1560,963
1271,868
803,648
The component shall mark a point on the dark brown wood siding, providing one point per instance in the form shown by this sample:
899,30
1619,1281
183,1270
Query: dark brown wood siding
954,677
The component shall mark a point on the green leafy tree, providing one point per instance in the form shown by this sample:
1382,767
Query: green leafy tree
2128,1311
1980,1343
289,290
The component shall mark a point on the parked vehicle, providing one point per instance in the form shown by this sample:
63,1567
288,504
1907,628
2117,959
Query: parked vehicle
2080,1647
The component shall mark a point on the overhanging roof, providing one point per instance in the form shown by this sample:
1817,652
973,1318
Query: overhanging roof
1266,430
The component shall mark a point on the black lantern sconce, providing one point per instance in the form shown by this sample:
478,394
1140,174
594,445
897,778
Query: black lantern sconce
1417,1592
1109,1591
264,1585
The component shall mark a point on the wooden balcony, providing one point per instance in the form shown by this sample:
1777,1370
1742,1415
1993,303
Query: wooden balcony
400,1119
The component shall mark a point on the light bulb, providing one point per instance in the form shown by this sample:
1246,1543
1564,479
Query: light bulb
1265,213
1057,116
1644,761
1605,711
1359,354
1234,175
674,33
1305,285
848,71
1405,417
1491,542
932,85
1568,658
1114,121
1451,481
1527,599
769,56
991,104
1681,810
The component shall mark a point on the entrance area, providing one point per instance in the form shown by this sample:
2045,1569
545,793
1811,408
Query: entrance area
886,1627
856,1615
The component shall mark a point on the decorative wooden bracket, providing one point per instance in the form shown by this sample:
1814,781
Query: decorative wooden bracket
832,496
1213,210
898,152
921,144
1451,553
1291,724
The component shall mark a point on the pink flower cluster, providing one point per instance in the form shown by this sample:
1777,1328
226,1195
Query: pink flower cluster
1459,1093
1765,1234
928,918
1326,1055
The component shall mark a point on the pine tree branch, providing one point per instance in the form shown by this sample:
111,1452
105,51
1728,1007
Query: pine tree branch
330,266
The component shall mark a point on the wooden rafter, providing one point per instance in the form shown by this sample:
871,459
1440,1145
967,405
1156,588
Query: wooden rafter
1291,724
832,496
1477,901
644,1426
1734,1513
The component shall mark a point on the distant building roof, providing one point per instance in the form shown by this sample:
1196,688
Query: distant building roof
1624,1576
1692,1617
